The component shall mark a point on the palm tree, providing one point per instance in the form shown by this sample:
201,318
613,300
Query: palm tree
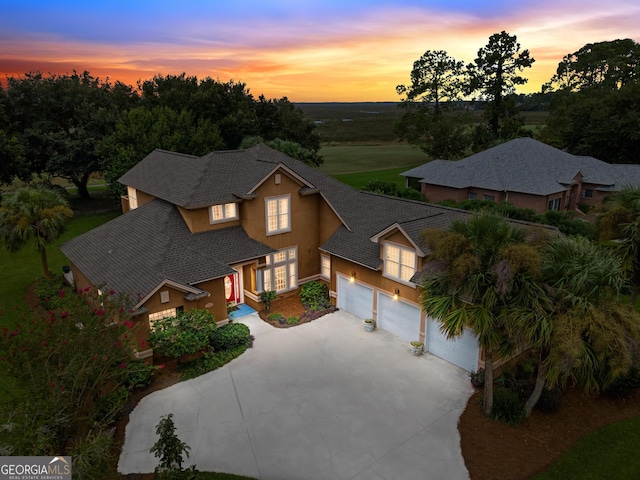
477,270
36,213
620,222
594,335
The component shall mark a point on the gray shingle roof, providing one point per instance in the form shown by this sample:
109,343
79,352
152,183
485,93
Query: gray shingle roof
137,251
521,165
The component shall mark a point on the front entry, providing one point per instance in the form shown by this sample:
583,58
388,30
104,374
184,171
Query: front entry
232,289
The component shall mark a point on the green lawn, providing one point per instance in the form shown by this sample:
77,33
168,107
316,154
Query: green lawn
609,453
343,159
358,180
22,268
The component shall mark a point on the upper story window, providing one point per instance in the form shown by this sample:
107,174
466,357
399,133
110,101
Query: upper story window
278,214
399,262
587,193
133,198
223,213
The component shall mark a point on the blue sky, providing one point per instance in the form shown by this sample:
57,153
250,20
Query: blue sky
306,50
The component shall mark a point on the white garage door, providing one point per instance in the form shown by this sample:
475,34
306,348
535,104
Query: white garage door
461,351
398,317
355,298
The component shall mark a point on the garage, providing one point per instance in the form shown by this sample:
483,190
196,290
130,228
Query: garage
398,317
462,351
355,298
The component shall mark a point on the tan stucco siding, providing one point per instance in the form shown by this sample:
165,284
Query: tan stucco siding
311,222
198,220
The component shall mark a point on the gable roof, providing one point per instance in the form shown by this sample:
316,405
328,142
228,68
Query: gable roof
521,165
136,252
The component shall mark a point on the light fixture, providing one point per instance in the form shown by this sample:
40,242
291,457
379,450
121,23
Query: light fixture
353,277
396,293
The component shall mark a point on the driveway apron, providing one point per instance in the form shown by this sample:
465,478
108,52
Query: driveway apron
323,400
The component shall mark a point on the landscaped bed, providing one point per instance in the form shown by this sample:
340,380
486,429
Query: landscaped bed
291,307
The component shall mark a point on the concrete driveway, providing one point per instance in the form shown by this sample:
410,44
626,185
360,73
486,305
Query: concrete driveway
324,400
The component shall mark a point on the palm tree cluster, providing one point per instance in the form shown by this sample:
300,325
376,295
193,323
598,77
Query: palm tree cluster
518,287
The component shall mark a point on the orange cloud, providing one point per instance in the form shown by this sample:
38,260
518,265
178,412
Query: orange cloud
352,59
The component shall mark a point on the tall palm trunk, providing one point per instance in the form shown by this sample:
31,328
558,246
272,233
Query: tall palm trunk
537,390
487,403
45,264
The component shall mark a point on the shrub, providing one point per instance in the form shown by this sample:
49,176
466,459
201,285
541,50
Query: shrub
210,361
137,374
109,408
230,336
507,407
315,295
187,333
274,317
93,456
292,320
267,297
169,448
51,292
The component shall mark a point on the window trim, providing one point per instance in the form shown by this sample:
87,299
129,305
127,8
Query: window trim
224,218
277,199
400,248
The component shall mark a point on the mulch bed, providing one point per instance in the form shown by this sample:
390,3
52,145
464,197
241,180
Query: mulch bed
493,450
291,306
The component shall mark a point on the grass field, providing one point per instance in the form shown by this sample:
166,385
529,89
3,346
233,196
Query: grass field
342,159
359,180
608,453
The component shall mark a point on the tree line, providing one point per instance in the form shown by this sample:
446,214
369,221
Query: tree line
593,100
74,125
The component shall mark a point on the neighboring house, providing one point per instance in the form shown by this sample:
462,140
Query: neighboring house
206,232
526,173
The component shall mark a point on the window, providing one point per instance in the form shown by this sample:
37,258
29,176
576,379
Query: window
473,196
587,193
399,262
278,215
281,273
223,213
554,204
325,267
491,198
133,198
164,296
168,313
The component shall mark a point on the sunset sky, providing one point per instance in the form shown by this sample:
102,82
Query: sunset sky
307,50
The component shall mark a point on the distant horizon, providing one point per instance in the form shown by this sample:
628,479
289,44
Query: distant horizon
310,52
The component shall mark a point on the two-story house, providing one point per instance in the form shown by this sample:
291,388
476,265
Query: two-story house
206,232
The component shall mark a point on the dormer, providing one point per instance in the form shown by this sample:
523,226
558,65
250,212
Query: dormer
225,212
399,253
